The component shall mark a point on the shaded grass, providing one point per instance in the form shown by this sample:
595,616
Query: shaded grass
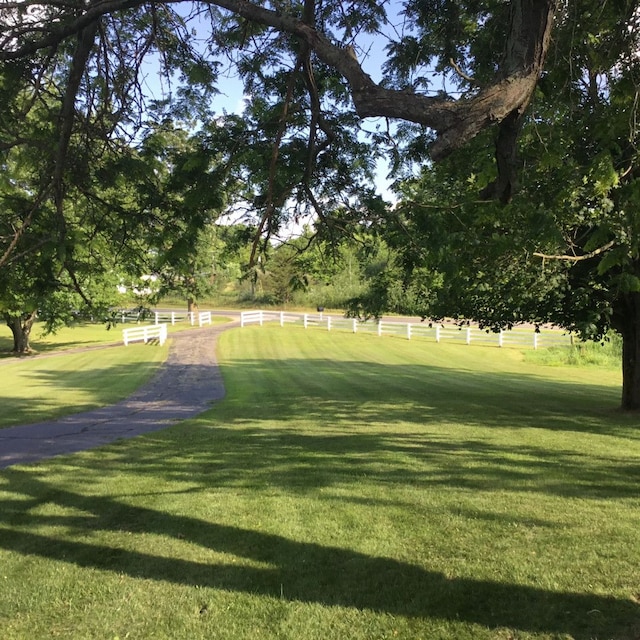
348,487
81,334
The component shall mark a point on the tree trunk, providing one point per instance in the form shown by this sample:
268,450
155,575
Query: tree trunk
192,305
20,326
627,323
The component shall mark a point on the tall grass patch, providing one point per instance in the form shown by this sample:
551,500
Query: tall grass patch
348,486
604,354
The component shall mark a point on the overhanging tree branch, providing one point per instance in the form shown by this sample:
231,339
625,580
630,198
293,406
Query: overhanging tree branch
455,121
569,258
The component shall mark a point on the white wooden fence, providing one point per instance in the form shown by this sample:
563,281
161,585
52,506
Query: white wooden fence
171,317
158,330
260,317
204,317
129,316
435,331
145,333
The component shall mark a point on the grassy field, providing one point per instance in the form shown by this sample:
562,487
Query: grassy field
80,335
347,487
38,389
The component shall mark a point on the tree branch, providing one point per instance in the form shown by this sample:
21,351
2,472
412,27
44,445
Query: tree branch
455,121
568,258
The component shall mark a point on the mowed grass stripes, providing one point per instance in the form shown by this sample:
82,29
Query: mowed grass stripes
349,486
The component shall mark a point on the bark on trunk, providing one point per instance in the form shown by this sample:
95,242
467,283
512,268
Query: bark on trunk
628,326
192,305
20,326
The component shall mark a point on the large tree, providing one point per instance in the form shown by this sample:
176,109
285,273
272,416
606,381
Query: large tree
301,62
566,248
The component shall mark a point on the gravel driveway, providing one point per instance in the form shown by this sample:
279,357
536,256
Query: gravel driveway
186,385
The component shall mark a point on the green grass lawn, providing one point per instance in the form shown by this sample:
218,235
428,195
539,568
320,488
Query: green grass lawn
70,379
348,486
38,389
82,334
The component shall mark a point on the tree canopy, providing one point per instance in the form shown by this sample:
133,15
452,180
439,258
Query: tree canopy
565,249
300,64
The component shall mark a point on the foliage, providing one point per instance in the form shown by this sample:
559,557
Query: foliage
565,246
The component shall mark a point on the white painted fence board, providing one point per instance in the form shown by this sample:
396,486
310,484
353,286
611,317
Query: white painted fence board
145,333
433,331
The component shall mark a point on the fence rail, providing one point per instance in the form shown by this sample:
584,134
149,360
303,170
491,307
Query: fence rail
171,317
204,317
433,331
145,333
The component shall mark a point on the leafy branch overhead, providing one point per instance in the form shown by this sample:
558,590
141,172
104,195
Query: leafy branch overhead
33,29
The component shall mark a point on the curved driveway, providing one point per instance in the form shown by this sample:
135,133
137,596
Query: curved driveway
185,385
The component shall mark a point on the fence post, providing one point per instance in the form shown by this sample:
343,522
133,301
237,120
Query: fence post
438,333
468,335
282,318
260,316
305,321
380,327
535,340
157,321
355,325
500,337
328,323
408,331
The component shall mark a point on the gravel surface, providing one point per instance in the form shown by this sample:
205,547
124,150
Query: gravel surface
186,385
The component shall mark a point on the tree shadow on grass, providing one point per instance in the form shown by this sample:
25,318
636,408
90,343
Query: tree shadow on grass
253,458
229,447
295,571
387,392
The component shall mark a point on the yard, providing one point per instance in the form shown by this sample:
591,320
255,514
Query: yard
349,486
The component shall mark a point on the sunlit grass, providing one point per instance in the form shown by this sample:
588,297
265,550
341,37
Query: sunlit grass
605,354
38,389
347,487
73,377
79,335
